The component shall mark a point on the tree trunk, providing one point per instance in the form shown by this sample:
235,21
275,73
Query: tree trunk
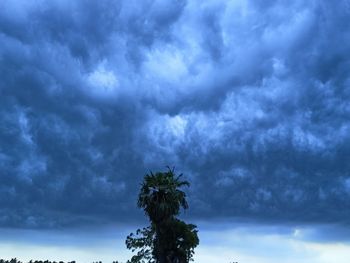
159,246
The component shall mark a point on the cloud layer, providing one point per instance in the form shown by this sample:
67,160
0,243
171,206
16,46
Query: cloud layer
249,100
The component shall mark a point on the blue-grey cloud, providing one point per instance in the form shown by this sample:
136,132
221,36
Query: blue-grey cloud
250,100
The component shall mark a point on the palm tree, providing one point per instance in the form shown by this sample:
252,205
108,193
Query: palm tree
167,239
161,197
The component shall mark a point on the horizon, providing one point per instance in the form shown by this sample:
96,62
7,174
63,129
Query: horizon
249,100
236,242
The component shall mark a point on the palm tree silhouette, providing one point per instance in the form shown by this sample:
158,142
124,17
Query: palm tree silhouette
168,239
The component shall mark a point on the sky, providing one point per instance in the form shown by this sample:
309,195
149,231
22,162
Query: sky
250,100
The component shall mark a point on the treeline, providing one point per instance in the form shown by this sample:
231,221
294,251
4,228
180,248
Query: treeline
14,260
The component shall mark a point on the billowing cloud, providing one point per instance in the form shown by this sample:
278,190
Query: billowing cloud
249,100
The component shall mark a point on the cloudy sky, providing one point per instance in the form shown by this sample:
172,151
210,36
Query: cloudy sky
250,100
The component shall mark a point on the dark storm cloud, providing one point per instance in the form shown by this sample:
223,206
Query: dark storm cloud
249,99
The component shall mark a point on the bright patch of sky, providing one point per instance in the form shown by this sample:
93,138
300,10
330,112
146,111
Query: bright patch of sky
103,81
241,243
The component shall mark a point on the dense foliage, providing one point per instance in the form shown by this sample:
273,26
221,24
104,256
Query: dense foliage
167,239
15,260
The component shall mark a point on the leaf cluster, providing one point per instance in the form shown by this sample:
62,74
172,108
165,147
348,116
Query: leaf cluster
160,195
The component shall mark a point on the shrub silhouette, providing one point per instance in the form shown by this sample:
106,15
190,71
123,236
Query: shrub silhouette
14,260
167,239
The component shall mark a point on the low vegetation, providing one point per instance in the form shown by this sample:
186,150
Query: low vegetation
15,260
